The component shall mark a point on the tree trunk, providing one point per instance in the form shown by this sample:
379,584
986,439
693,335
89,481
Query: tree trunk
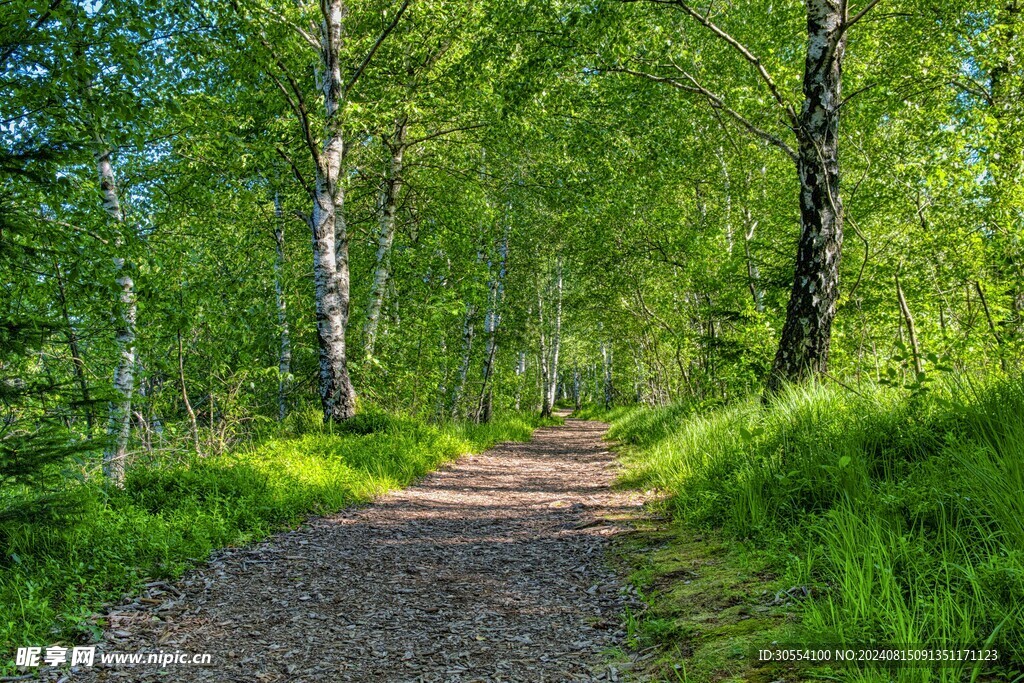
606,358
753,273
991,324
76,354
520,371
915,349
491,322
193,422
284,363
330,237
577,388
804,345
1006,87
551,388
120,423
468,330
545,368
386,237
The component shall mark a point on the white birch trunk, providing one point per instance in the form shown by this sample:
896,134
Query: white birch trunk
119,427
556,339
545,368
753,273
807,333
520,371
606,359
491,323
577,387
330,238
468,330
284,365
386,237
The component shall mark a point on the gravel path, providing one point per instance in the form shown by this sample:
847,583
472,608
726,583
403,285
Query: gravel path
493,569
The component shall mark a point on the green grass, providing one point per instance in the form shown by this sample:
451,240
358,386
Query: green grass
903,513
167,519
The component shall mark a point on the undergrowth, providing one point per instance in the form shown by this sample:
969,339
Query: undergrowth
901,513
169,517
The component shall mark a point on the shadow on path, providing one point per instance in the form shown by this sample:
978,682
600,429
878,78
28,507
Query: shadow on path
492,569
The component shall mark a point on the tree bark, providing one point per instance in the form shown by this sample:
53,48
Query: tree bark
549,367
520,371
1006,88
284,364
468,330
76,354
492,320
545,368
577,388
120,422
991,324
606,359
753,273
915,349
386,237
806,336
329,233
193,422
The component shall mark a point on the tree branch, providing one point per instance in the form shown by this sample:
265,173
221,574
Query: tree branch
739,47
299,107
306,35
439,133
298,102
380,40
16,43
295,170
847,23
716,103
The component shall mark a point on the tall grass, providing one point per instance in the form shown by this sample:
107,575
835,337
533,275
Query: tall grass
168,518
905,511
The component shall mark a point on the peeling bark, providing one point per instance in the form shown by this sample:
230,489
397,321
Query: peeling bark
915,349
492,320
76,354
606,359
329,232
804,345
549,365
284,365
385,238
120,421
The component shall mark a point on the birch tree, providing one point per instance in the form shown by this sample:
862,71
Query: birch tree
327,223
119,426
803,348
550,342
492,321
284,365
396,145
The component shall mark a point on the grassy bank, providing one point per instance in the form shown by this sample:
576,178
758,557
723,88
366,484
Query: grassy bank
902,515
168,518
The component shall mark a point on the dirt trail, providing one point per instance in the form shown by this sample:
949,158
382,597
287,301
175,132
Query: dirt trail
493,569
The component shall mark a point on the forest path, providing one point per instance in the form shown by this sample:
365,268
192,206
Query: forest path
492,569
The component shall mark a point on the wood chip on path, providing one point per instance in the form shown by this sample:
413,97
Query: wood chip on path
492,569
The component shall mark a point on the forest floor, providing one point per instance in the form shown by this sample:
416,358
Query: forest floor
492,569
